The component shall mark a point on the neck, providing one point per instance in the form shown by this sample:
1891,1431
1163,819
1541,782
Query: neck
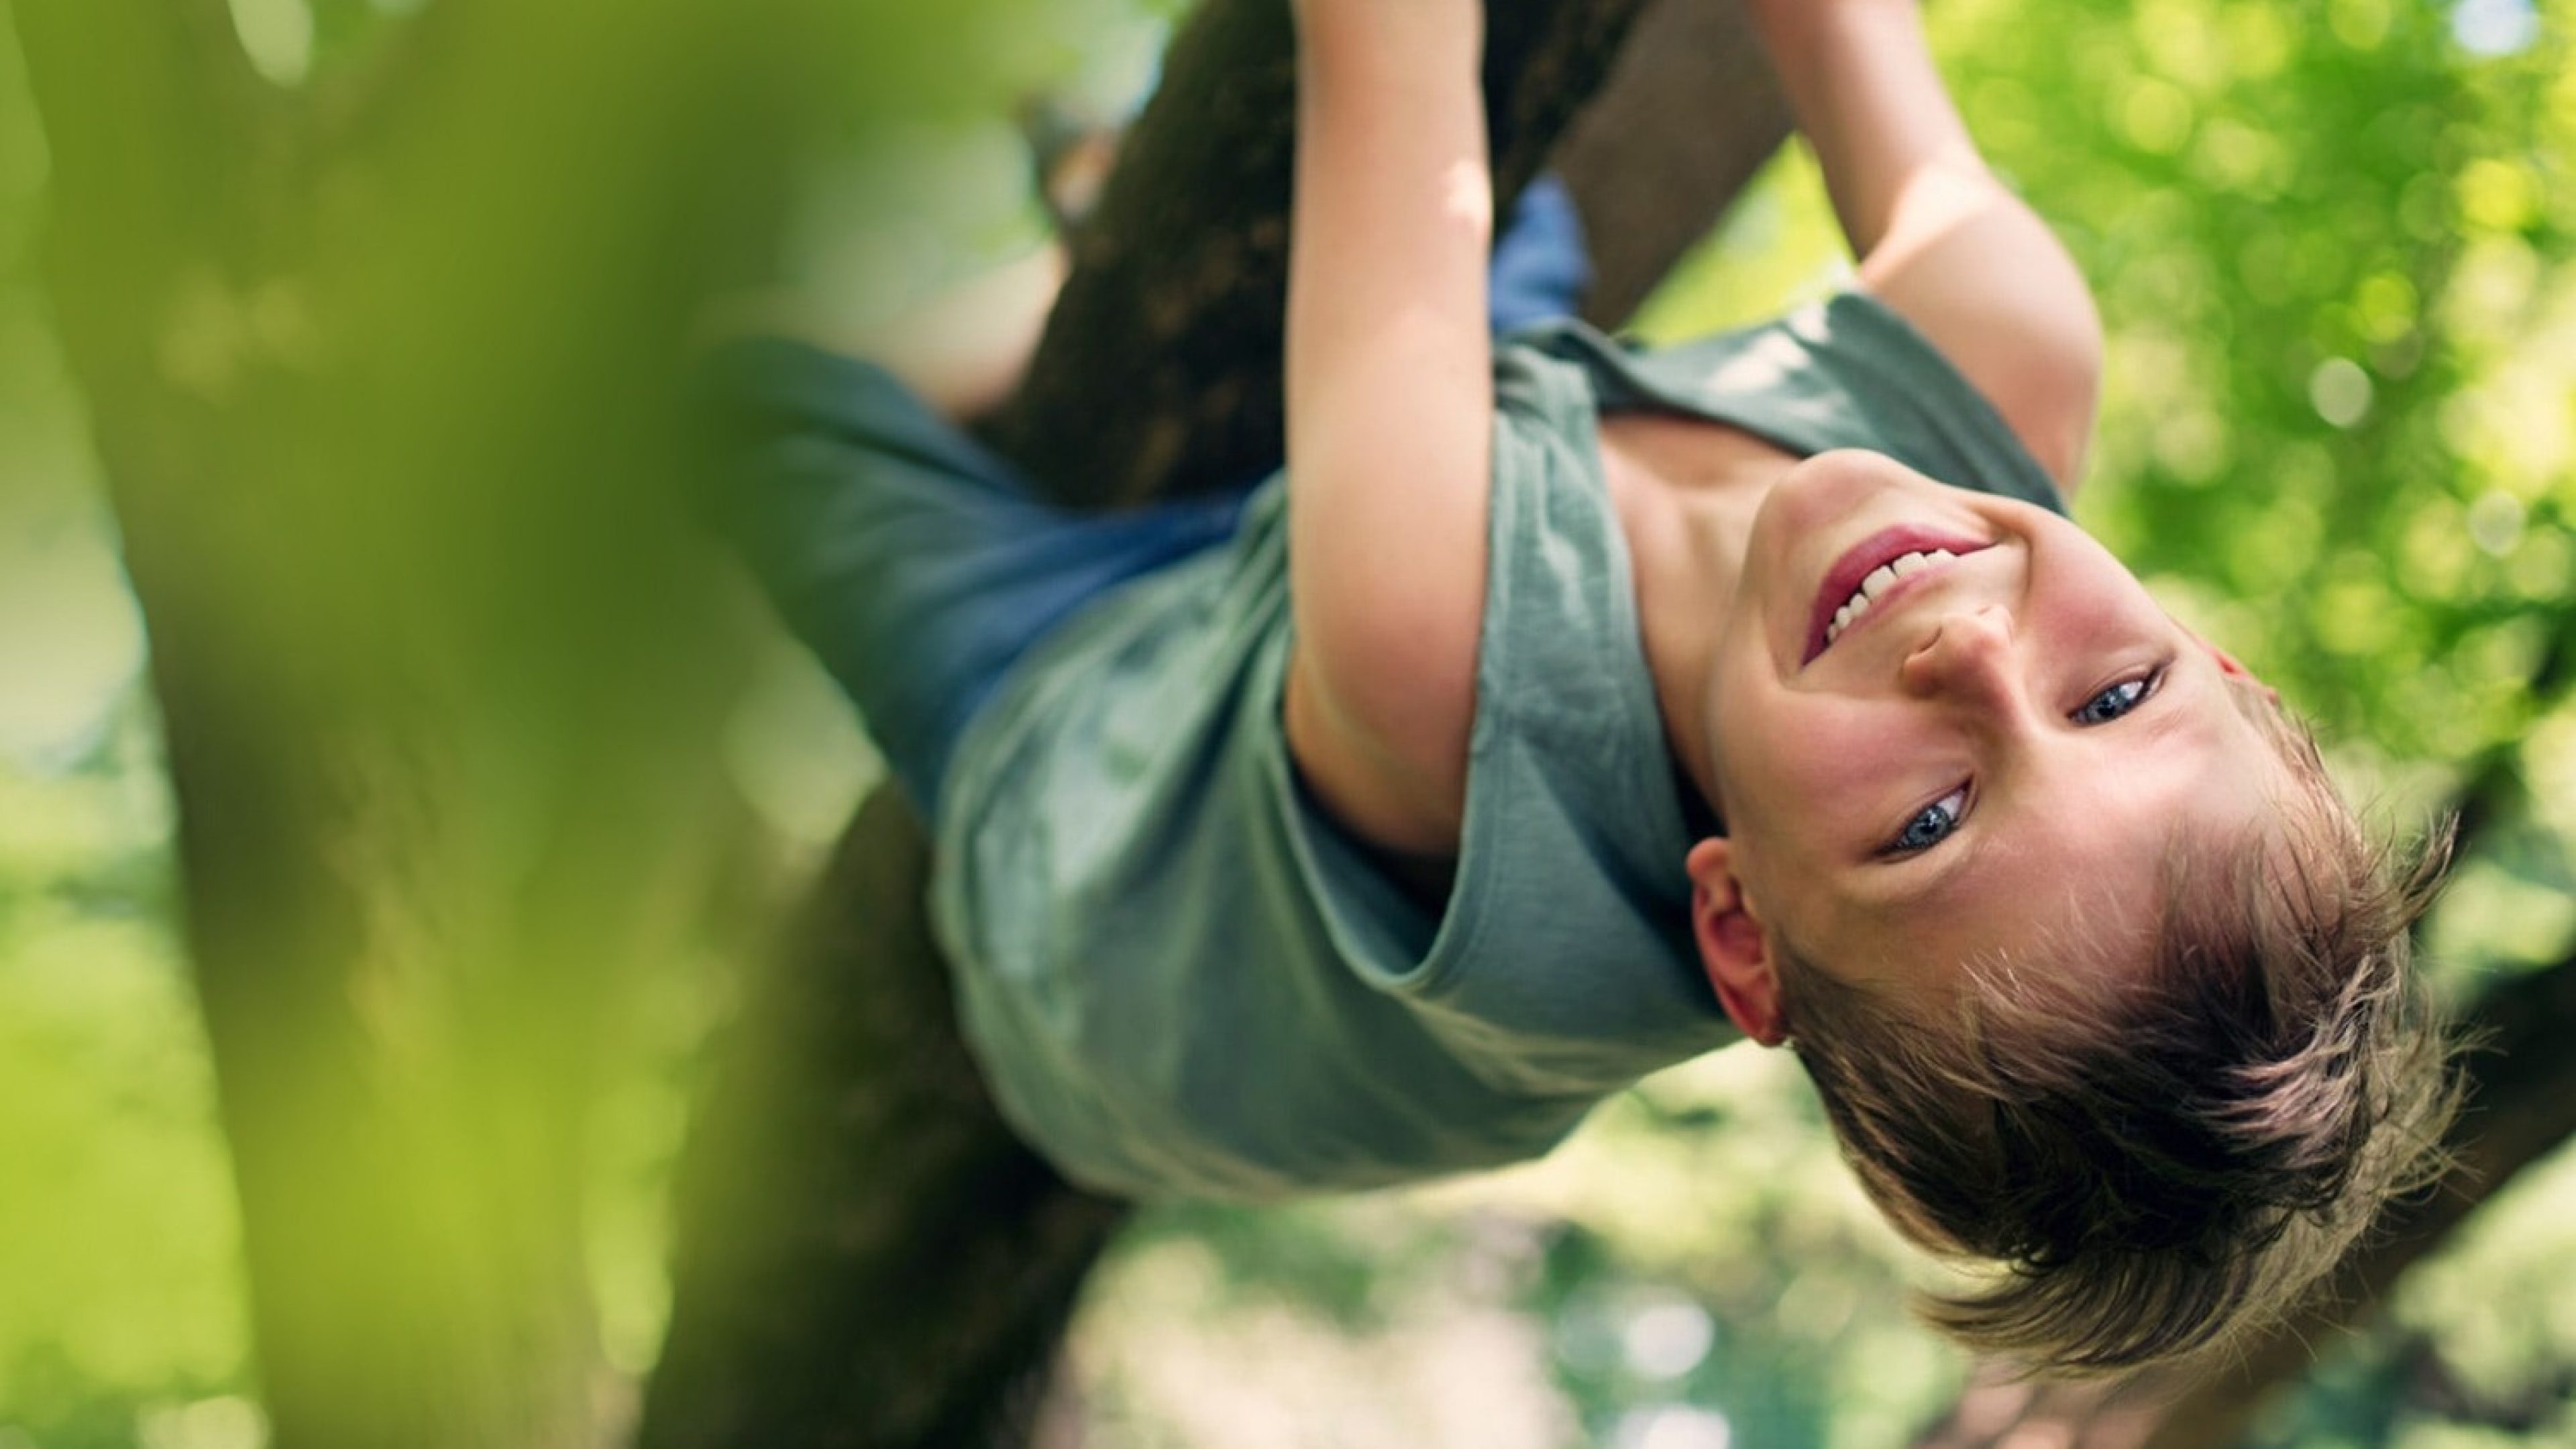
1686,492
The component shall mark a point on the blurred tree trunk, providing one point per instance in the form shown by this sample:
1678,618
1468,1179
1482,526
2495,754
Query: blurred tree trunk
866,1256
382,384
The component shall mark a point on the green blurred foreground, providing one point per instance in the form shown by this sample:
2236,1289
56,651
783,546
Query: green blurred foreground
2336,249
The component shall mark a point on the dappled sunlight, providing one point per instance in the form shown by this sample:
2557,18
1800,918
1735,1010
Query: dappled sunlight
2335,247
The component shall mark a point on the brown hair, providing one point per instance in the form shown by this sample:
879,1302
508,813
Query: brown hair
2157,1162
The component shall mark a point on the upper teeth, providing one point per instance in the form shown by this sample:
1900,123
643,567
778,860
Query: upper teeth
1880,580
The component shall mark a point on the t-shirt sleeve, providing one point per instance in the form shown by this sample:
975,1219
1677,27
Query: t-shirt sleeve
1561,962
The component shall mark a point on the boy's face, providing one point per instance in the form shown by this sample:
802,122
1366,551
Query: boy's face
1993,757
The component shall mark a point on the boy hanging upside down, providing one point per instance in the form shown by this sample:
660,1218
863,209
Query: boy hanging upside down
1560,704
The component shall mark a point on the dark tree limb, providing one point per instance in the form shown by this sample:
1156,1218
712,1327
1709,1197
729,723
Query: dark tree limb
1690,113
868,1256
1159,374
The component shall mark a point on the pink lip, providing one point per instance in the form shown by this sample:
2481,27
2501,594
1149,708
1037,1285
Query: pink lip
1863,558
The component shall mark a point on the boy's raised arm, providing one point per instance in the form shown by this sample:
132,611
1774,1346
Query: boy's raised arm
1938,237
1390,410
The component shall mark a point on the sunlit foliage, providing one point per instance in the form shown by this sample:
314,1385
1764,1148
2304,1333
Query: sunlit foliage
2335,245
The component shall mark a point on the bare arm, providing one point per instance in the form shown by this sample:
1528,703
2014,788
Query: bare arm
1390,411
1938,237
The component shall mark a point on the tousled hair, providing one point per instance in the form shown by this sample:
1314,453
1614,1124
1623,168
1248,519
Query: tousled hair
2158,1162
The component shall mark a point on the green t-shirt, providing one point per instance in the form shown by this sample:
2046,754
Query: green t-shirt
1183,979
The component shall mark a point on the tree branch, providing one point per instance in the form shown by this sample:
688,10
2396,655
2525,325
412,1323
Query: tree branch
1159,373
1650,186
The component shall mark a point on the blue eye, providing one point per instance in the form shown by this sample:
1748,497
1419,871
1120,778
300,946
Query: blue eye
1931,825
2119,699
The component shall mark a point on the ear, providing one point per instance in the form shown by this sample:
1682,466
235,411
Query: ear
1732,943
2239,674
2228,666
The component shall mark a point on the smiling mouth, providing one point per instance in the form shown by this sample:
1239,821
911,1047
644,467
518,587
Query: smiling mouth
1872,572
1878,584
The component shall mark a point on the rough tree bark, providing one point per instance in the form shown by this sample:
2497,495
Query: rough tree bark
1691,112
1159,373
866,1256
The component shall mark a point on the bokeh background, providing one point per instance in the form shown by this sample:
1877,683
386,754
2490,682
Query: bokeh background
2335,245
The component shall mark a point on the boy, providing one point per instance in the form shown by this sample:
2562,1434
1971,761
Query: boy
1558,706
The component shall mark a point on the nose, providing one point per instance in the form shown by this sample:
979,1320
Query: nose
1968,657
